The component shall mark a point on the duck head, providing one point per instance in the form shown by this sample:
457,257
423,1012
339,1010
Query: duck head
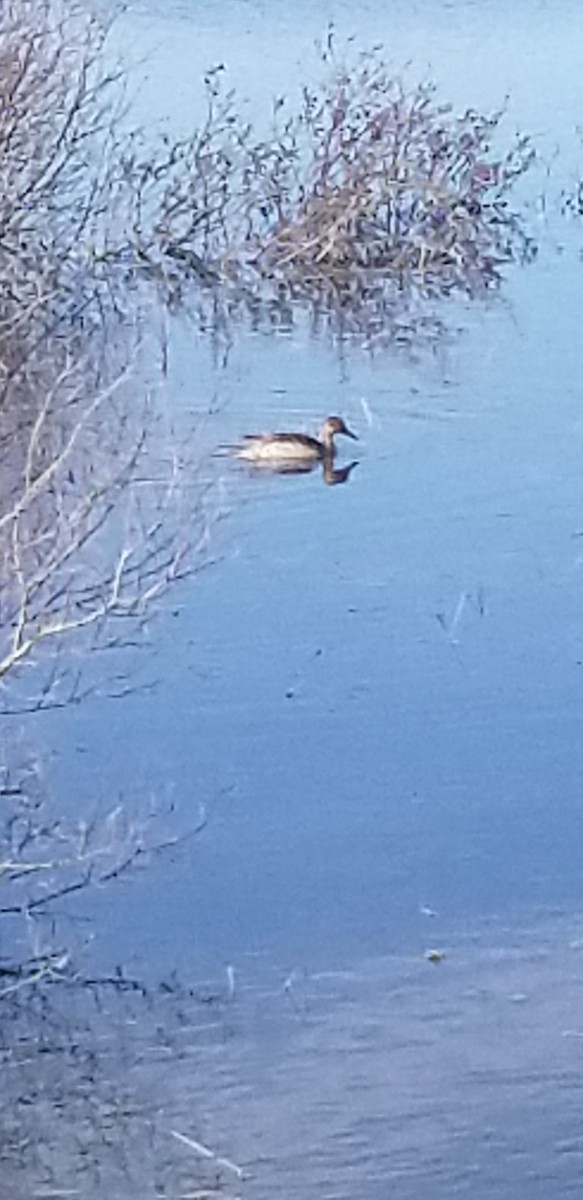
332,426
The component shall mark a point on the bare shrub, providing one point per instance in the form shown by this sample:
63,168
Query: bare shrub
82,544
59,114
95,527
371,180
95,521
366,195
95,524
89,205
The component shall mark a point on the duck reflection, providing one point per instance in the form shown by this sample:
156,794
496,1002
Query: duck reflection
331,475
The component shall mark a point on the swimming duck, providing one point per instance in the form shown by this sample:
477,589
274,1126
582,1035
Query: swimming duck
294,447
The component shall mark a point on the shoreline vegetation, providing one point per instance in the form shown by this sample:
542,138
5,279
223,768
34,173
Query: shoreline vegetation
363,191
363,199
97,525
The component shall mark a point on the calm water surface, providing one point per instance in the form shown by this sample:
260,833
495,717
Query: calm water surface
377,690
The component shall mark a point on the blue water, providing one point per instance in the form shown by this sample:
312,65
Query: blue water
376,691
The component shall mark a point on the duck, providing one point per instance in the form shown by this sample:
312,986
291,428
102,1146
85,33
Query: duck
300,448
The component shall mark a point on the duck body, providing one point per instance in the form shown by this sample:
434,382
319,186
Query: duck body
298,448
272,447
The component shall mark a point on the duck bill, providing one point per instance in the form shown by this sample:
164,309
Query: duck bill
350,434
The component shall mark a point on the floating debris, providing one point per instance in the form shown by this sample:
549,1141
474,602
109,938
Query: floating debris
204,1152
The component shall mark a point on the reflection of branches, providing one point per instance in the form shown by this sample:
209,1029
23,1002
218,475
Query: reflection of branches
44,859
90,1105
33,972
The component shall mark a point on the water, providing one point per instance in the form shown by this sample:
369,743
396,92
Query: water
377,693
382,680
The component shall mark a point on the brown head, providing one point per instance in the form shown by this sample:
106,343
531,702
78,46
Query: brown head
328,431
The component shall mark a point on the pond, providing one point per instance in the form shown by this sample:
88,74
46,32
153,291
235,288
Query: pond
376,689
